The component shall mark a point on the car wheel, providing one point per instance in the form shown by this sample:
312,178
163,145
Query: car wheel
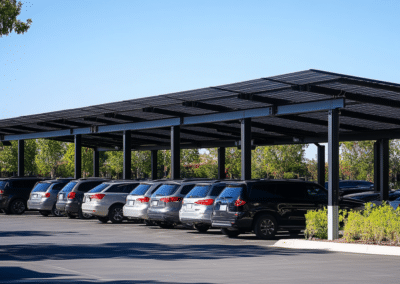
44,213
17,207
103,219
202,228
230,233
166,225
56,212
266,227
71,216
116,214
83,215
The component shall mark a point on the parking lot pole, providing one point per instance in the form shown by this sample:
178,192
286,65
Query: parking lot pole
377,166
175,152
126,171
384,169
333,180
78,156
221,163
246,148
321,165
154,164
21,158
96,163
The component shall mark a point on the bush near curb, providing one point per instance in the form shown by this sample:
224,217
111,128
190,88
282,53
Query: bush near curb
317,223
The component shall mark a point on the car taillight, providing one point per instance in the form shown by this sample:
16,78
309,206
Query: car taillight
171,199
205,202
46,195
97,196
1,191
240,202
71,195
143,200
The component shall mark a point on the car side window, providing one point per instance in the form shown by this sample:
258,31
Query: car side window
263,192
86,186
291,191
58,186
316,194
217,190
129,187
185,190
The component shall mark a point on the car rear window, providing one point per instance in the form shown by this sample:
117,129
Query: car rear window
231,193
99,188
141,189
199,191
3,184
166,189
41,187
69,186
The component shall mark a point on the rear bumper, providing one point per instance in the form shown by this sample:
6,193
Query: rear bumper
164,215
135,212
61,206
45,205
95,209
195,217
72,207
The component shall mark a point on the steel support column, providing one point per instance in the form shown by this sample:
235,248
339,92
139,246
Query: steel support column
384,169
175,153
154,164
96,163
321,165
221,163
246,148
21,158
126,172
333,180
377,167
78,156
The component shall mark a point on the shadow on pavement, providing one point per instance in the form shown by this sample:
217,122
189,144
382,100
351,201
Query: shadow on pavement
33,233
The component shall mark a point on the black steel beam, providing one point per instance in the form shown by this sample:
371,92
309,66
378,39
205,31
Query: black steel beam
333,180
71,123
377,166
96,163
384,169
204,134
25,128
374,85
206,106
261,99
12,131
6,143
284,130
52,125
246,148
321,164
154,167
21,158
221,163
371,117
123,117
99,120
165,111
78,156
175,152
126,174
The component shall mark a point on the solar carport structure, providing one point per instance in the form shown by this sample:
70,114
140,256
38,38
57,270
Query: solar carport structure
301,107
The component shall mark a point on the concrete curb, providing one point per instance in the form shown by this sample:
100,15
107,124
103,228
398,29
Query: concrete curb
339,247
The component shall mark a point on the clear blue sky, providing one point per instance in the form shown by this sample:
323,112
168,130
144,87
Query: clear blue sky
81,53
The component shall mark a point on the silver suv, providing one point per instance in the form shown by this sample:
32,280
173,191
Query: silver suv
166,202
197,206
137,202
106,200
43,197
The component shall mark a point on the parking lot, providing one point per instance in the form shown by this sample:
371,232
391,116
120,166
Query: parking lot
37,249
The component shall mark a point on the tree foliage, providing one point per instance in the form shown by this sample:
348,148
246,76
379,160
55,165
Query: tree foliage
9,11
49,156
9,157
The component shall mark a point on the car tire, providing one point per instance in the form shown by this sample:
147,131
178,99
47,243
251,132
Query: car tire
230,233
84,216
201,228
115,214
166,225
266,227
56,212
71,216
103,219
44,213
17,207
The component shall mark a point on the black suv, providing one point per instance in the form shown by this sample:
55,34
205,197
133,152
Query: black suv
268,206
14,193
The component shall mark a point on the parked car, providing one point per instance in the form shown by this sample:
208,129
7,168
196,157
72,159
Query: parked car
137,201
197,206
71,196
166,202
268,206
43,197
106,200
14,193
373,197
353,186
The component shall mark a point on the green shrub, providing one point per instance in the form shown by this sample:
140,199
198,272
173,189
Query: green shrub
316,224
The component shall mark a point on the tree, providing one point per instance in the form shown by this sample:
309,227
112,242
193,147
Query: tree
141,164
9,11
9,157
49,156
68,168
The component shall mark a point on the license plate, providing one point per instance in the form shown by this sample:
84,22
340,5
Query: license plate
131,202
189,206
223,207
154,203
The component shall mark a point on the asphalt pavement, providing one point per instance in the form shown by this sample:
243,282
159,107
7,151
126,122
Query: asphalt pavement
37,249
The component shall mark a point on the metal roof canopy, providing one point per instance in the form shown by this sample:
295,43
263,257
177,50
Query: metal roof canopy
285,109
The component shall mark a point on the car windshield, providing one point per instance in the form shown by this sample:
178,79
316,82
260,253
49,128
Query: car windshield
69,186
3,184
141,189
166,189
99,188
199,191
41,187
231,193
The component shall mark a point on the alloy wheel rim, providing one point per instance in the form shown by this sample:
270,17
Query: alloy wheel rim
18,206
267,227
118,214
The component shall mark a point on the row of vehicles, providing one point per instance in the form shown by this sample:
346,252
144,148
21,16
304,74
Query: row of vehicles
260,206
